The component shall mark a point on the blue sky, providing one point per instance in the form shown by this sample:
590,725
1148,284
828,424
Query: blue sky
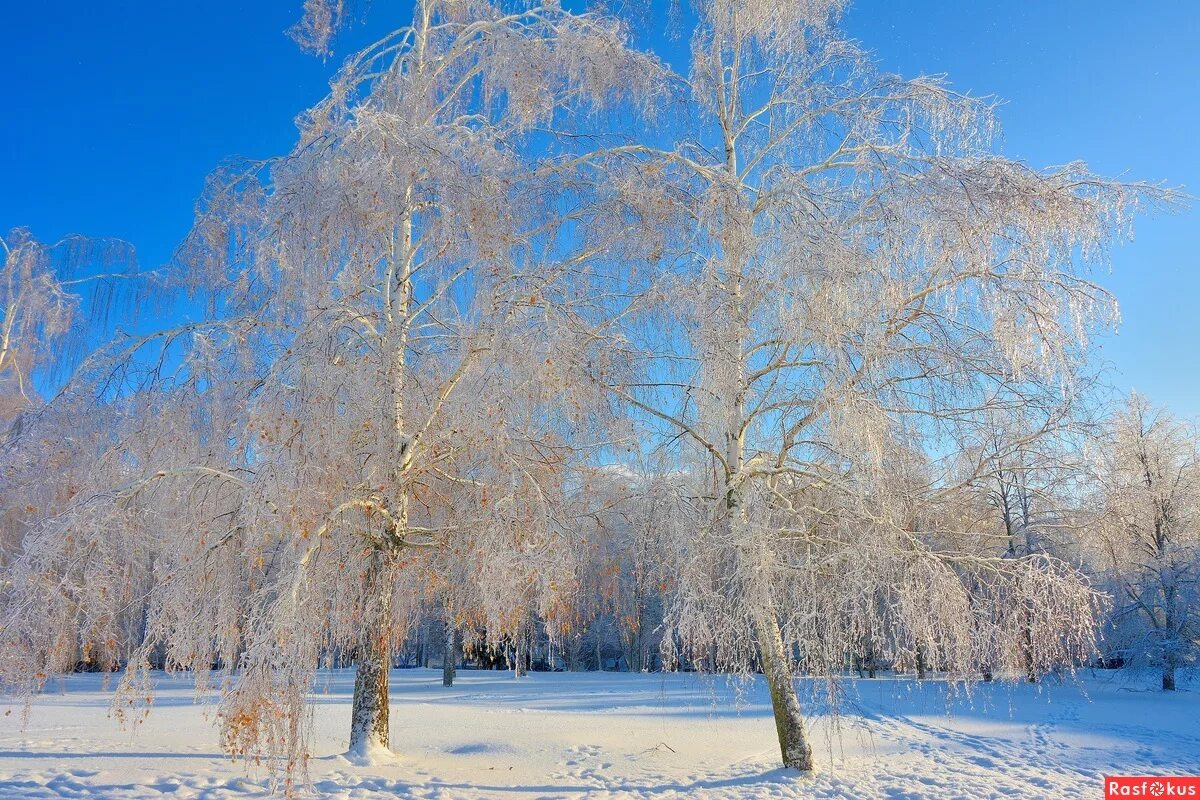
113,113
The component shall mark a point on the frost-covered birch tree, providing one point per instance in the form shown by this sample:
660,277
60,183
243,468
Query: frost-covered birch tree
1021,489
375,381
1148,534
847,267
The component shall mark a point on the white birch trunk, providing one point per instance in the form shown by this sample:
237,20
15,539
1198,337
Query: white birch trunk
449,655
369,726
369,710
777,669
776,663
520,650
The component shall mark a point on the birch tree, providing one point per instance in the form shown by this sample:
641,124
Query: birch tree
380,302
1023,460
846,268
1149,533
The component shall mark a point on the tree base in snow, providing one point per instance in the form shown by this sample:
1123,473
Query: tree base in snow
370,753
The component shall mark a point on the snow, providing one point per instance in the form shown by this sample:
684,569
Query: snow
610,735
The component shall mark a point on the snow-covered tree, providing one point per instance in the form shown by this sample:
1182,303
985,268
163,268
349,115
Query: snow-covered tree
1148,533
376,381
1021,488
846,268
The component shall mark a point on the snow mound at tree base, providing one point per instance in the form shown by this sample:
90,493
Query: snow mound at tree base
370,754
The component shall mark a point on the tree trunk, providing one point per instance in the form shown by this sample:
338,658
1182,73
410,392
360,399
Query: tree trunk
369,712
572,653
1169,630
789,719
520,646
773,655
1027,652
920,662
369,718
449,655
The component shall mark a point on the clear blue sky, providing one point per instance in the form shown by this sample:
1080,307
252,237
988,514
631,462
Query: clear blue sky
114,112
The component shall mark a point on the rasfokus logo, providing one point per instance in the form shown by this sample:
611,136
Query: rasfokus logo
1152,786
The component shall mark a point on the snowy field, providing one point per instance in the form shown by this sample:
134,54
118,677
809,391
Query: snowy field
615,735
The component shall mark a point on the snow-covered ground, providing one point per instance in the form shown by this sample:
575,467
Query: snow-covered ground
613,735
